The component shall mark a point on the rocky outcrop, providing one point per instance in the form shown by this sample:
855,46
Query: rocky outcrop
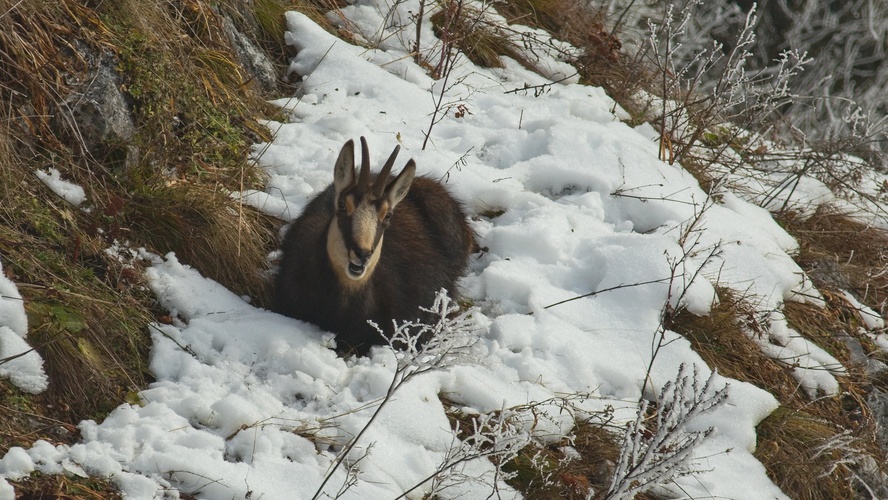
102,112
251,58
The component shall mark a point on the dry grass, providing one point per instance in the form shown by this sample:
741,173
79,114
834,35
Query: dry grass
479,40
570,468
788,446
87,315
199,223
841,253
569,477
194,112
64,487
791,440
721,340
195,119
602,62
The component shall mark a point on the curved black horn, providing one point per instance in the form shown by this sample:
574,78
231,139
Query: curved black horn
364,177
382,178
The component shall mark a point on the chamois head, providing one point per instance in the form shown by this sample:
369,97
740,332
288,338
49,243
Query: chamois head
362,211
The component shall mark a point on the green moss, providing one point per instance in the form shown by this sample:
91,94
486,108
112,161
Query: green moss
192,110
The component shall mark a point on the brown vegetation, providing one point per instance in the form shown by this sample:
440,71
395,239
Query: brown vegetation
602,61
158,174
165,185
799,444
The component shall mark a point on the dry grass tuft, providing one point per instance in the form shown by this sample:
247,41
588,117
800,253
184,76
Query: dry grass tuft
841,253
791,447
227,242
602,62
721,339
65,487
794,442
574,467
481,41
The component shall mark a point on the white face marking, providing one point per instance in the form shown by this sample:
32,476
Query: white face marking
364,225
343,261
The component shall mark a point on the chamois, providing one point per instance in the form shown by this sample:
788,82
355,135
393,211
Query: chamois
368,248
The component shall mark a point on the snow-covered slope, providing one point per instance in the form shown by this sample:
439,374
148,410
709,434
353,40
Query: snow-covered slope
566,200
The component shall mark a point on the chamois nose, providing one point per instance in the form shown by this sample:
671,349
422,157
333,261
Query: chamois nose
362,255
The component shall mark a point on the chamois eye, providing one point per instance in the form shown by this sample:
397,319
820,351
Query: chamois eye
341,206
388,217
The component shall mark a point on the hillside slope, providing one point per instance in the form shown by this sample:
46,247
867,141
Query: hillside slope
609,286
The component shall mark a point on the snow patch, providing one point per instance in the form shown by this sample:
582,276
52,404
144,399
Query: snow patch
70,192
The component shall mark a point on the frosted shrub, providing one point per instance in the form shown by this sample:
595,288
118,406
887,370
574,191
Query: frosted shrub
421,347
418,348
501,436
832,116
496,436
711,87
651,457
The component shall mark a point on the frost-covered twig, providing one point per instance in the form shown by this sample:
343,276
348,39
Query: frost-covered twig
352,472
684,270
417,53
844,443
657,455
16,356
609,289
542,88
419,348
498,436
709,87
651,457
453,15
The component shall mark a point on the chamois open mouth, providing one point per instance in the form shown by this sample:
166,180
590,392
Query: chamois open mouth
356,270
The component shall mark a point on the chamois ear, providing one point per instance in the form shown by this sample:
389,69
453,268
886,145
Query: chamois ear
344,171
397,190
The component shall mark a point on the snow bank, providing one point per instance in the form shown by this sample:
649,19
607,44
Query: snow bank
587,236
18,362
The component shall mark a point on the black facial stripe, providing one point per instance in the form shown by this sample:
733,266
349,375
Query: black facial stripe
348,239
379,231
345,228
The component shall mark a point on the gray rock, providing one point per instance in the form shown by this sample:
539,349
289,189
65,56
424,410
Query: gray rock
872,367
869,481
102,113
829,271
250,57
877,401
